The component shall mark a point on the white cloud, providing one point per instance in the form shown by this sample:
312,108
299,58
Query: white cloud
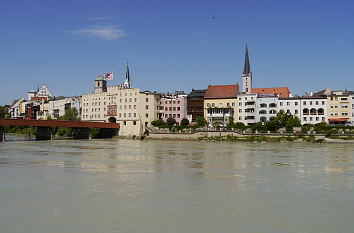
97,18
103,32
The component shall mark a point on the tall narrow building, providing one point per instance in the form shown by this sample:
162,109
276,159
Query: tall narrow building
247,75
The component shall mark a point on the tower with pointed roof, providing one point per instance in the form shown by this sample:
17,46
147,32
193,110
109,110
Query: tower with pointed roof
247,75
127,79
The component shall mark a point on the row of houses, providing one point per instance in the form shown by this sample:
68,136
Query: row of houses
135,109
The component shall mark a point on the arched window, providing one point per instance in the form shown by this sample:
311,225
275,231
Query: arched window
263,119
263,112
305,111
313,111
273,105
320,111
263,105
273,111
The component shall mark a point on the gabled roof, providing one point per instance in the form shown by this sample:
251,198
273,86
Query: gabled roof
221,92
281,91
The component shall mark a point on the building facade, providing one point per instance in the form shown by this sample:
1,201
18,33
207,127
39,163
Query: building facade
195,104
339,108
130,107
266,108
174,106
220,104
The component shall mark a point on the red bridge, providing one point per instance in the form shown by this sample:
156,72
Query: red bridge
44,127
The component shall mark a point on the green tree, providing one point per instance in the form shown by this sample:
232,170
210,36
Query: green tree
201,122
259,126
230,125
240,125
184,122
171,121
158,123
71,114
2,111
272,126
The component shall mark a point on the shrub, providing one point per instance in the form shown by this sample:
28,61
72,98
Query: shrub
184,122
158,123
240,125
171,121
201,122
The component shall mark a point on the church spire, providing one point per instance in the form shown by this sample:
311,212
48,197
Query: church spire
247,68
127,78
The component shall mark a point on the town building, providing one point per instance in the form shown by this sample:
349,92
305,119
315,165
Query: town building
132,108
339,108
174,106
195,104
266,107
16,107
351,97
57,106
220,104
41,93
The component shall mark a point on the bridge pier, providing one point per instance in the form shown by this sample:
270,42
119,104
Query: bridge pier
82,133
109,133
2,134
44,133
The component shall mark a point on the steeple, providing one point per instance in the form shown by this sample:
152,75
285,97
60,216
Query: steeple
127,78
247,68
247,75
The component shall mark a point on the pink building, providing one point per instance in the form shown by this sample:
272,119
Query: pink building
174,106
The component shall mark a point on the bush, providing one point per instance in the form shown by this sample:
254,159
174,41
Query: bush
201,122
171,121
240,125
184,122
158,123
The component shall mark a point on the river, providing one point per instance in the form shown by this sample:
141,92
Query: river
175,186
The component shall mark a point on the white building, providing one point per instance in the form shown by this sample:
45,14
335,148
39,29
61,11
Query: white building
131,108
16,107
41,93
351,97
56,107
309,109
266,108
247,108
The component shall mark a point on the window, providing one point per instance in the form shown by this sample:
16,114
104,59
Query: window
288,103
304,102
134,106
316,102
281,103
130,99
125,115
130,114
240,110
146,106
220,105
213,105
296,103
240,118
178,108
304,118
147,99
323,102
317,118
134,122
296,111
233,104
178,115
310,102
134,114
125,123
146,115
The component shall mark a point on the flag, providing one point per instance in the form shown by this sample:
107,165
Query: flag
108,76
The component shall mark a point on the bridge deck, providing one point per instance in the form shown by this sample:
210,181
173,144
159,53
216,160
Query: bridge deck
57,123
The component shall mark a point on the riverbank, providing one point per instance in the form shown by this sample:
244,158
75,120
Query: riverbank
234,137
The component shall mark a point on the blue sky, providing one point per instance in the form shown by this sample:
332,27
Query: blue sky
174,45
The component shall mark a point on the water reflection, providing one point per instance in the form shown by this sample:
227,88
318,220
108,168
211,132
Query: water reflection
156,186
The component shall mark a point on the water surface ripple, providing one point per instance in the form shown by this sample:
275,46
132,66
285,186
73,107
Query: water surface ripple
165,186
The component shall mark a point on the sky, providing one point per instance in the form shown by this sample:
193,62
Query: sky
174,45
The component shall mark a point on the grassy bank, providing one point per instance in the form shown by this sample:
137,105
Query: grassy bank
230,138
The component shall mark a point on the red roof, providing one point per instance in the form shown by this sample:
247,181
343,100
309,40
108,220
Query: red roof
281,91
221,92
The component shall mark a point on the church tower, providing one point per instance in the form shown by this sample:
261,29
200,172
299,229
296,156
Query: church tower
127,79
100,84
247,75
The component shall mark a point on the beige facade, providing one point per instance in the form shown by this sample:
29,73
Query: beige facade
134,110
220,110
338,107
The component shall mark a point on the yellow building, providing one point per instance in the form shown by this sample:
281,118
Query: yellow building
338,106
220,104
